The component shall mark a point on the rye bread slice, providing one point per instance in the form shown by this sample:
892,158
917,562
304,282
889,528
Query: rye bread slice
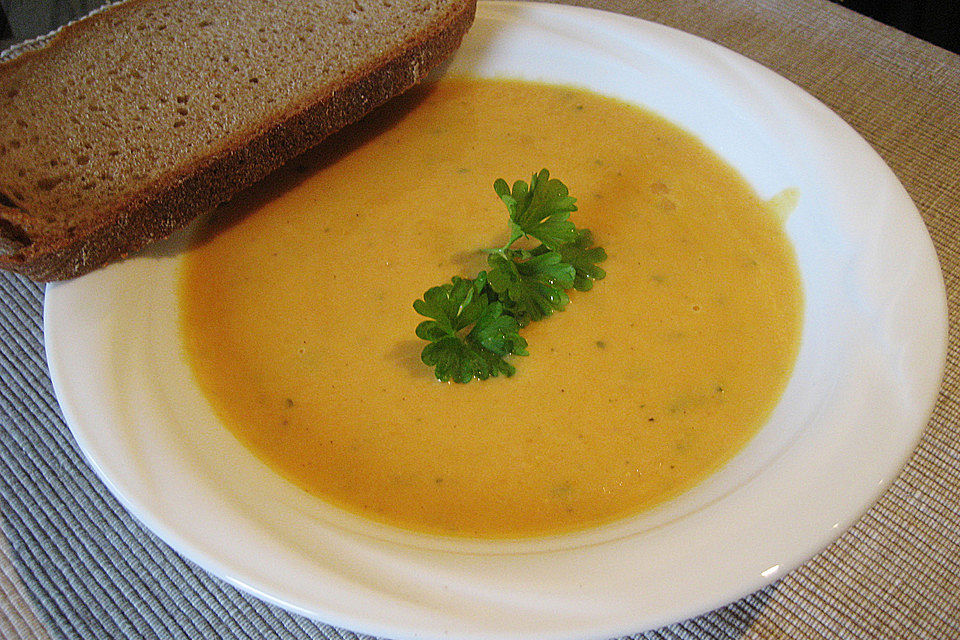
133,121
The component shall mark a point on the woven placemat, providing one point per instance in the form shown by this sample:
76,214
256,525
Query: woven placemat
74,564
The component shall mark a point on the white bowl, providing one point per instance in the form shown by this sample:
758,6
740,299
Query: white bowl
868,372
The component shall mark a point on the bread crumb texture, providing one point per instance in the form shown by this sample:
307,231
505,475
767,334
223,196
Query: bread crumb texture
133,98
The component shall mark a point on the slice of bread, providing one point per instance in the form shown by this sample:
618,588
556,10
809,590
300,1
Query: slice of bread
133,121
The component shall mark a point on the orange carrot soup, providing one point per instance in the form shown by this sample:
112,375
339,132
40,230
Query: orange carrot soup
297,317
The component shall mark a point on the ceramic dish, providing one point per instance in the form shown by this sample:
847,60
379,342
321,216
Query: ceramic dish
868,373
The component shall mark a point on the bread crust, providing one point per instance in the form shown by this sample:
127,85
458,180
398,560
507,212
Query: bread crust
242,160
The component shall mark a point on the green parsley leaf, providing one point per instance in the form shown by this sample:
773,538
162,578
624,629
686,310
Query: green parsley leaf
540,210
583,257
531,287
460,355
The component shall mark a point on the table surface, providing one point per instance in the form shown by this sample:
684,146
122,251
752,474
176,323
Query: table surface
74,564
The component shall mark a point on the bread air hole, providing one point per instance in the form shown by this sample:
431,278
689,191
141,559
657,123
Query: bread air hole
13,237
49,184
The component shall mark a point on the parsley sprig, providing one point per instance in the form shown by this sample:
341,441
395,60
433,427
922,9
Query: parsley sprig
477,353
474,323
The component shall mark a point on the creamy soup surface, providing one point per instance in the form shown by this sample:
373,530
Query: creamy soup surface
297,317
